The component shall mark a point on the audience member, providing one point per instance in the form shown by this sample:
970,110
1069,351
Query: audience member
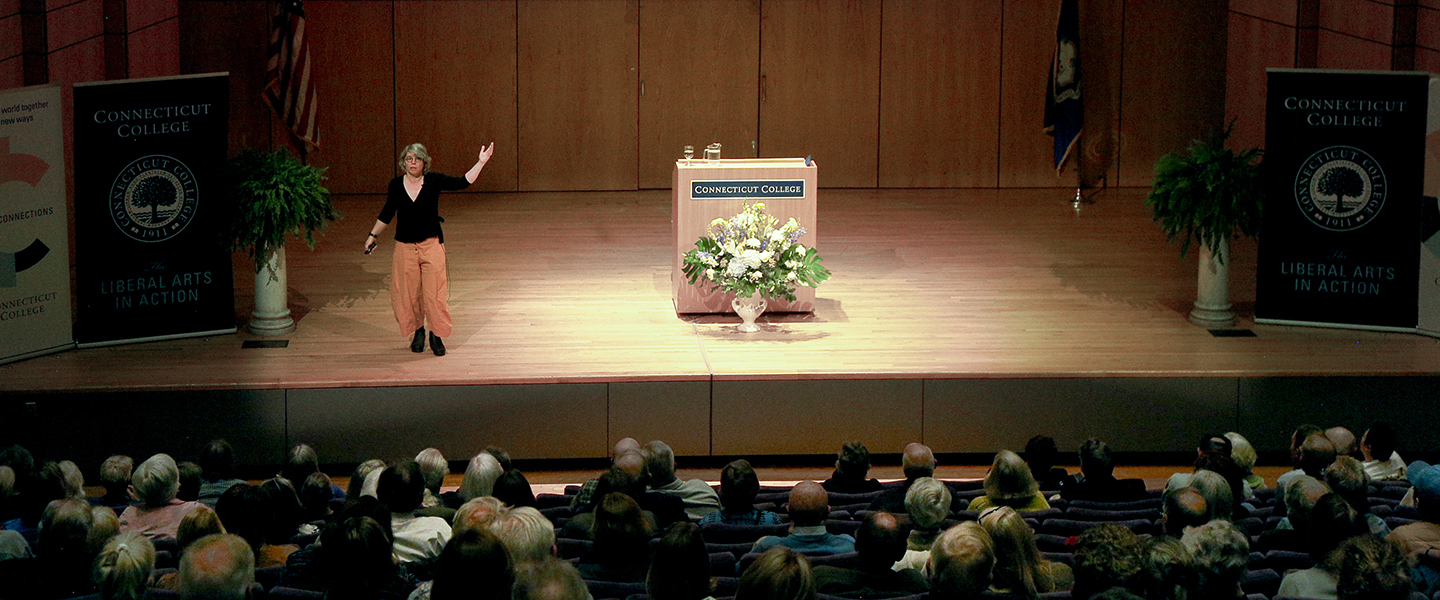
1379,449
62,567
1106,556
917,461
808,507
359,562
928,503
680,569
1329,524
1371,568
479,479
71,479
620,535
852,467
473,566
35,488
1346,477
361,474
738,487
217,464
1019,568
1292,531
1096,480
548,579
1183,509
1421,540
1315,453
1041,454
700,499
301,462
501,456
513,489
962,561
1009,483
104,524
1297,440
528,536
779,574
1167,570
115,478
880,542
1219,553
247,511
1343,441
201,522
289,520
614,481
434,468
158,513
217,567
308,569
1219,496
586,496
190,481
476,514
667,508
416,538
1243,453
315,497
123,567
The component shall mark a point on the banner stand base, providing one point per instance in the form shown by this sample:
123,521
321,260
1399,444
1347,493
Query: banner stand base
38,353
1380,328
158,338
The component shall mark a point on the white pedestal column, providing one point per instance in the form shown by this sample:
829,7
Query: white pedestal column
272,307
1212,301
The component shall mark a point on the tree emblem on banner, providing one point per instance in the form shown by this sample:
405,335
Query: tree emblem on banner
1340,188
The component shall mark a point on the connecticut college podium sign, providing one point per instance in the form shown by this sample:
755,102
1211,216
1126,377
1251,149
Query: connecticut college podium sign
1344,173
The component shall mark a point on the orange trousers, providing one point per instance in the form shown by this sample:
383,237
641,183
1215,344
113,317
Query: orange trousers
419,287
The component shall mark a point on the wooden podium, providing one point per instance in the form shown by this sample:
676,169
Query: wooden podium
703,191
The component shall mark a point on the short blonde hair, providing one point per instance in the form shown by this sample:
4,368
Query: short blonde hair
1009,479
418,150
928,503
1241,452
122,570
526,534
156,480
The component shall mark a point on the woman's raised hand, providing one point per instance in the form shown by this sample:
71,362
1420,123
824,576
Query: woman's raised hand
486,152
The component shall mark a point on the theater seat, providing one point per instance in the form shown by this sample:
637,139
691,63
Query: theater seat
1263,581
721,533
295,594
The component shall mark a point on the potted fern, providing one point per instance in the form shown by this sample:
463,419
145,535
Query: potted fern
1206,195
274,195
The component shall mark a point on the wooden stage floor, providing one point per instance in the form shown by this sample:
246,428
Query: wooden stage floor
575,287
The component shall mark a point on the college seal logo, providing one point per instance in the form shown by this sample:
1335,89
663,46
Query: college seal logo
1340,188
153,198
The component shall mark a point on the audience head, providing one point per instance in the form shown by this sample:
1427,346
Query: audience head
918,461
218,461
360,474
1183,509
156,480
286,510
315,495
1301,495
660,462
1219,497
1331,522
620,529
1346,477
401,486
434,468
632,462
472,566
809,504
1242,453
1379,442
1105,556
1297,439
1213,443
301,462
1372,568
480,476
778,574
1041,453
1095,459
65,530
1219,553
198,523
477,513
1343,440
501,456
615,480
72,479
104,524
853,462
1166,569
122,569
880,542
680,568
48,484
738,487
190,479
367,506
1426,481
961,561
1009,481
1224,466
1315,454
246,512
548,579
528,536
928,503
1017,557
7,483
217,567
513,489
627,444
357,556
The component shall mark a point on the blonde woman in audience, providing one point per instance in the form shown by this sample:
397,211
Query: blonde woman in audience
199,523
73,480
779,574
104,524
1019,569
1244,456
115,476
361,475
480,477
1009,483
122,570
158,514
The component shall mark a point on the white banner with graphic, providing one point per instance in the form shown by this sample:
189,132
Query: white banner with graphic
34,230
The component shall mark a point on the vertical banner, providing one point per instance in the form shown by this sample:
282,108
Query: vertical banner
149,178
34,229
1430,219
1344,169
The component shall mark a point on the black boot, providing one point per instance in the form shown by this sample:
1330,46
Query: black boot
418,344
437,346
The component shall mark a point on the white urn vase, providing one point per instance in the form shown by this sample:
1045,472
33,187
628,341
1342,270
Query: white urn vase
1212,299
748,308
272,307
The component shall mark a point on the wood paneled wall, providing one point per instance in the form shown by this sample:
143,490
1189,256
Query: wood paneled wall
602,94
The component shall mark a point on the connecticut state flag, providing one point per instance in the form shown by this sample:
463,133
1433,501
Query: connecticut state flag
1064,112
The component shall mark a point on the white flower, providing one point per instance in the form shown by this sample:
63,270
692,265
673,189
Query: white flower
752,243
800,248
791,276
777,236
710,274
767,256
736,269
750,258
754,276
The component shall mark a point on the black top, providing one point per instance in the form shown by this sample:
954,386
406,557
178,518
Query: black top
419,219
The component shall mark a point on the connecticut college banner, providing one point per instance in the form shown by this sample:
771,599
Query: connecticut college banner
1344,168
149,208
34,230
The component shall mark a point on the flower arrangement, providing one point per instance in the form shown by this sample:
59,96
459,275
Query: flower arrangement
748,254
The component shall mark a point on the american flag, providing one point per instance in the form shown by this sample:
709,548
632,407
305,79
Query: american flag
289,88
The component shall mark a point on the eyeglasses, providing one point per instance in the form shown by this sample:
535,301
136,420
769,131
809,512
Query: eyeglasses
413,159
